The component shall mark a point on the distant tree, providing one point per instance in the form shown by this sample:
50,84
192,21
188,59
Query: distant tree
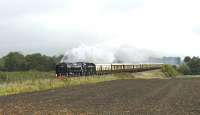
190,65
33,61
15,61
187,59
40,62
48,63
184,68
194,65
2,67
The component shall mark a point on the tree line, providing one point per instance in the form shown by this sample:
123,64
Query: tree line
15,61
191,65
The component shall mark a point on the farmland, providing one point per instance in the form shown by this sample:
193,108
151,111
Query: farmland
139,96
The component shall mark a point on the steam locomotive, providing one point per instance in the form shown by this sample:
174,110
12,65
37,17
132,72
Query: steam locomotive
85,69
75,69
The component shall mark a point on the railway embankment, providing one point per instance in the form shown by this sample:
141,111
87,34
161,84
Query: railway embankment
23,82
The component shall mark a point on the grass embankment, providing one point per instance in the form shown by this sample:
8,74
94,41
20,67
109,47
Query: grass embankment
169,71
154,74
20,82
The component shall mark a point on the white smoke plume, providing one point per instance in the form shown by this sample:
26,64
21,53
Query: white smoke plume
88,54
123,54
129,54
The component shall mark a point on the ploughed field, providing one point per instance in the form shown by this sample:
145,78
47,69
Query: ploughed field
137,96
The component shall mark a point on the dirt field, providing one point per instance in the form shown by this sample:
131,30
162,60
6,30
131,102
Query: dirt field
121,97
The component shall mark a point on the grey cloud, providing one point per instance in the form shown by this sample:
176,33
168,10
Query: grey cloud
34,38
19,34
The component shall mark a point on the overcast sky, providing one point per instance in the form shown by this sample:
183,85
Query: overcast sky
54,26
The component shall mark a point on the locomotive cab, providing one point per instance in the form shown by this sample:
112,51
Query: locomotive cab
61,69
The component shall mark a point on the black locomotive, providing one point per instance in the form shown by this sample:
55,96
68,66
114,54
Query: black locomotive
75,69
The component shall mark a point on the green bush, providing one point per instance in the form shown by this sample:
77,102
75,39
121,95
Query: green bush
169,71
184,69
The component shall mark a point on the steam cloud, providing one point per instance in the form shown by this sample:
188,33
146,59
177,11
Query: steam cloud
88,54
124,54
128,54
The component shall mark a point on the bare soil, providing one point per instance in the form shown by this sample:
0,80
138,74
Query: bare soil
120,97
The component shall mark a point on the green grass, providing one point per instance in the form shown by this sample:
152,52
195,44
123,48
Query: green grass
23,76
169,71
21,82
